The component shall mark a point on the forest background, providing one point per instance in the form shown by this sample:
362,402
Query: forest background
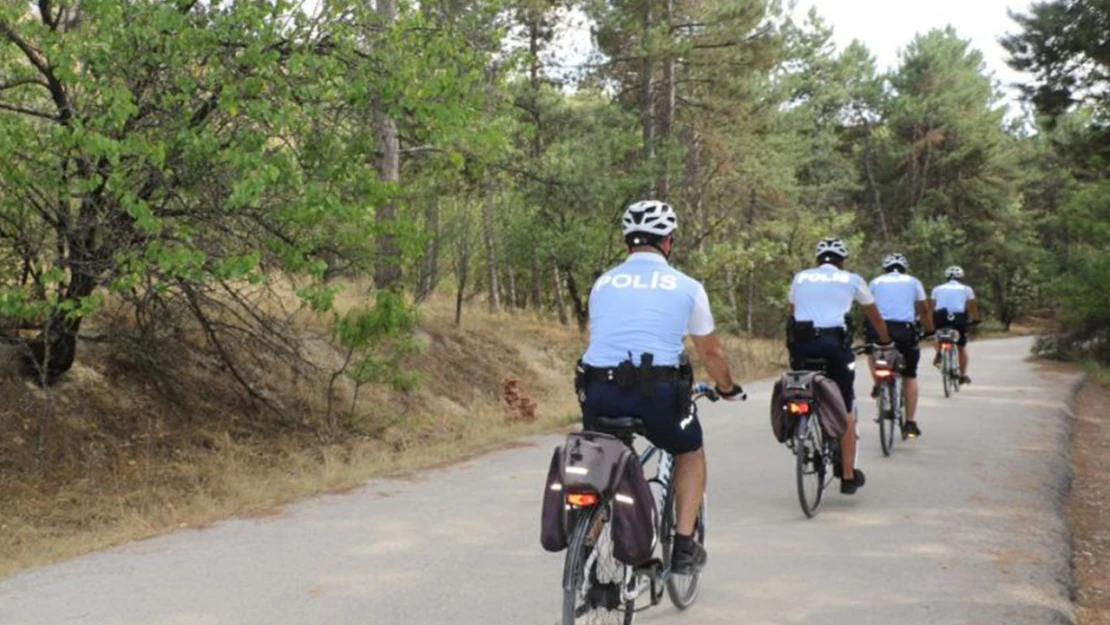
227,223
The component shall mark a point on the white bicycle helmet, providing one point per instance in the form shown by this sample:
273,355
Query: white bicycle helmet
896,260
650,217
830,245
954,273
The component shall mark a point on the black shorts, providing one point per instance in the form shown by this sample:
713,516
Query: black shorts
959,321
666,429
905,340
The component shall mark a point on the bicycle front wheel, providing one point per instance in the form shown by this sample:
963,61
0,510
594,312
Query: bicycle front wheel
811,466
592,577
682,589
887,413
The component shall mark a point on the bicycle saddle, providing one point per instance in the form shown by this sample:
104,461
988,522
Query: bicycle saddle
813,364
614,425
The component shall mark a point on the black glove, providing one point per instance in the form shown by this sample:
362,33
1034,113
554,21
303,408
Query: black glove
733,394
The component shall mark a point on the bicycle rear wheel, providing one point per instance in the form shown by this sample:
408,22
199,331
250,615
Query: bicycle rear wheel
887,414
682,589
809,448
946,372
592,577
900,404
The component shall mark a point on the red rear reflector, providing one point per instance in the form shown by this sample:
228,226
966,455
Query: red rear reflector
798,407
582,500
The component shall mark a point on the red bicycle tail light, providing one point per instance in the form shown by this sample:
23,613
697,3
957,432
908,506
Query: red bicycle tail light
798,407
883,373
582,500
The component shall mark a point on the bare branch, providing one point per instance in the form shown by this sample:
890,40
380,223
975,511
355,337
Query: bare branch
27,111
57,92
24,81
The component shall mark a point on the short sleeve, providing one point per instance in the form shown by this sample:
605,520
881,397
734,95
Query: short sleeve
933,295
970,293
701,318
862,293
920,290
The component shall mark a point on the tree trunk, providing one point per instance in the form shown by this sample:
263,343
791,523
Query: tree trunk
462,264
730,293
537,283
925,172
749,243
511,273
874,188
429,266
491,249
581,311
695,197
666,118
647,96
387,266
560,304
913,169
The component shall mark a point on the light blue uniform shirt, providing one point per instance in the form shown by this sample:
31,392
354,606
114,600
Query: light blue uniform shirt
896,295
825,294
645,305
952,295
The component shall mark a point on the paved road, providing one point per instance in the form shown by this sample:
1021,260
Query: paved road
960,527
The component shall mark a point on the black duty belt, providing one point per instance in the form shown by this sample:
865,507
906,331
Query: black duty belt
836,333
609,374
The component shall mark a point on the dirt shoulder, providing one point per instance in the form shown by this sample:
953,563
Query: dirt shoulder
1089,503
118,452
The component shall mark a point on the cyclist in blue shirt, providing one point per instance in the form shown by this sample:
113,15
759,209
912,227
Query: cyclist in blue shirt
635,365
954,304
900,298
820,298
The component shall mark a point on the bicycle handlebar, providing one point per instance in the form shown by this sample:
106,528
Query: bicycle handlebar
706,390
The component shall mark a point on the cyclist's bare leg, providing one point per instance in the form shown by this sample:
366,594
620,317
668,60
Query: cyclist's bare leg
689,487
871,364
848,449
963,360
909,386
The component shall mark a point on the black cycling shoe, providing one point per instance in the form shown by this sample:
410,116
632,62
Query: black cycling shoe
875,392
849,487
965,380
687,556
910,430
936,360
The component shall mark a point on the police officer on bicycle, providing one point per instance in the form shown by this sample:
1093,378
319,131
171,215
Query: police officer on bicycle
820,298
901,300
635,366
954,305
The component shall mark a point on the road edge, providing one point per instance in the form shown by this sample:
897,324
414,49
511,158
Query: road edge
1064,569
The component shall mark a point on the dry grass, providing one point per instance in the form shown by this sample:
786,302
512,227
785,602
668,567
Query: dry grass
128,454
1089,503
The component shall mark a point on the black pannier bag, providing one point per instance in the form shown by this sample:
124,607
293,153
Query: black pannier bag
589,462
807,386
553,518
634,517
593,462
